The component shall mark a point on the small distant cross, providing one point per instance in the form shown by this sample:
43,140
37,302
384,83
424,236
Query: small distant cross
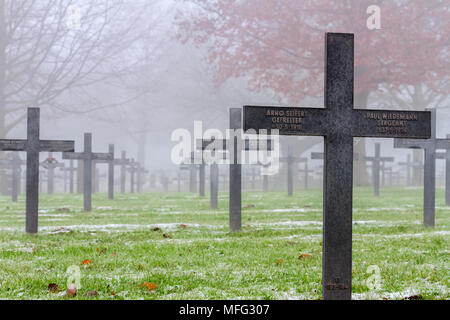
87,156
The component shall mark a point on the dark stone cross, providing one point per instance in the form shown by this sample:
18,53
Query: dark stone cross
446,157
111,162
140,171
71,170
338,123
15,164
122,162
306,171
87,156
377,161
409,166
33,146
50,164
429,184
234,148
290,160
132,168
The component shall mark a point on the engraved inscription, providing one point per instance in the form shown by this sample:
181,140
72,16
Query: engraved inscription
290,120
392,122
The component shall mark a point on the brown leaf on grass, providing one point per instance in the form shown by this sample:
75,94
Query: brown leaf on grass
415,297
167,236
100,252
305,255
250,206
149,286
86,262
72,291
113,293
156,229
183,226
91,293
53,288
279,261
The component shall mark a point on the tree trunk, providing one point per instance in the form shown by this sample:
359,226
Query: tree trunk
3,173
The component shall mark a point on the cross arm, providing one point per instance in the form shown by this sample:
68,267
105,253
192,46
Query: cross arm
102,157
73,156
410,144
391,124
443,144
57,145
13,145
319,156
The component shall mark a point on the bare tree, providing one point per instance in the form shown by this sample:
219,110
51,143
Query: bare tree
53,52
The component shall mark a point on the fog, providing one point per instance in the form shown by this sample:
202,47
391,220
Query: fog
131,72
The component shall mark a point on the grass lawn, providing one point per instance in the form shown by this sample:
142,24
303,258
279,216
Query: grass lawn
177,243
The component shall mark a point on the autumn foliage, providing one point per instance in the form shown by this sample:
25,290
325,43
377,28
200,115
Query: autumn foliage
279,45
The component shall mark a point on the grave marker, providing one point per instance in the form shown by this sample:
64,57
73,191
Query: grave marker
290,160
429,146
33,146
15,164
338,123
409,165
376,160
87,156
50,163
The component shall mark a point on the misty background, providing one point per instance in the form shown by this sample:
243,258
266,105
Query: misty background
133,71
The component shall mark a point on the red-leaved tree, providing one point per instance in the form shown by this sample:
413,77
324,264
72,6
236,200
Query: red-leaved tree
279,45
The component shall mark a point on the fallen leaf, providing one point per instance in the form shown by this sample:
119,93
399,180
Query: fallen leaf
72,291
305,255
156,229
61,230
91,293
53,288
102,251
279,261
183,226
113,293
87,261
165,235
148,286
250,206
415,297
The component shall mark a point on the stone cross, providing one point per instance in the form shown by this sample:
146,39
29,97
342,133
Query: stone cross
132,168
290,160
33,146
429,146
71,170
409,165
190,164
51,164
111,162
122,162
87,156
15,164
140,171
234,147
338,123
377,160
306,171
